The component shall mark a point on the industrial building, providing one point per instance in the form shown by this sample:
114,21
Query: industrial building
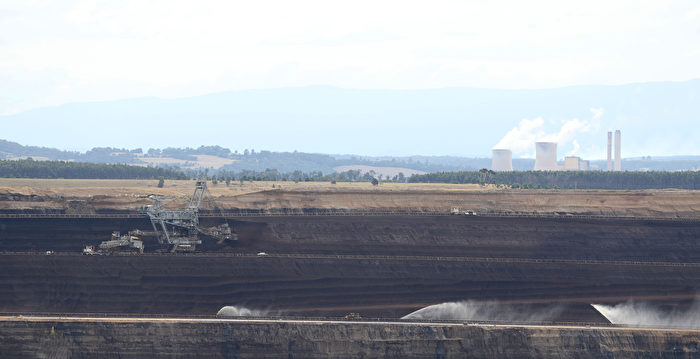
572,163
585,165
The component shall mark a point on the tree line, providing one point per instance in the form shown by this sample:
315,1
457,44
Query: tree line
569,179
29,168
299,176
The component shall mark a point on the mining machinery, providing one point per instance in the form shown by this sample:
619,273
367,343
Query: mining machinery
180,228
119,242
177,228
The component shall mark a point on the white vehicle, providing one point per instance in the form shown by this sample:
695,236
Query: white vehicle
262,254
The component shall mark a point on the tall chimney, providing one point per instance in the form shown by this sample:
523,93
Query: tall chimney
546,156
618,151
502,160
609,151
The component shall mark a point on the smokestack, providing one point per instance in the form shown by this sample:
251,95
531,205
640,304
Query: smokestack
502,160
546,156
609,151
618,151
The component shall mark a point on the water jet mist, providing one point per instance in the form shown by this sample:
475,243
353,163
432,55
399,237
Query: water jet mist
647,315
487,311
239,311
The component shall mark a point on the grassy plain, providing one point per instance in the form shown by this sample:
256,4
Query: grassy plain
93,187
84,194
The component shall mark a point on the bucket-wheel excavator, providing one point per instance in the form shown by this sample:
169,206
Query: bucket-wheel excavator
180,228
177,228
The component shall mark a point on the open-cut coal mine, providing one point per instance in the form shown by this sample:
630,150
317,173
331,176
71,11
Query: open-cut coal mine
355,266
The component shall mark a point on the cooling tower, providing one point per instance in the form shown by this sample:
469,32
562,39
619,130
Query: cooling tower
502,160
618,151
609,151
546,156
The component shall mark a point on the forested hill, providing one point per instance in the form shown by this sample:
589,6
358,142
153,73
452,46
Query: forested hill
60,169
217,158
569,179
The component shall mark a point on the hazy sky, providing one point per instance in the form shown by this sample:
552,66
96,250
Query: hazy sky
53,52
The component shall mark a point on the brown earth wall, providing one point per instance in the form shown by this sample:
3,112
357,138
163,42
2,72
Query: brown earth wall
649,203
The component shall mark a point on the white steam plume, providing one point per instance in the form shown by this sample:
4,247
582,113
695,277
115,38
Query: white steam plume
490,310
577,147
646,315
237,311
522,138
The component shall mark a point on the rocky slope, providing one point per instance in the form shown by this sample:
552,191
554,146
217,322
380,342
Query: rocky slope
64,339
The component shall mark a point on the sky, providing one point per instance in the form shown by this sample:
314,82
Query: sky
57,52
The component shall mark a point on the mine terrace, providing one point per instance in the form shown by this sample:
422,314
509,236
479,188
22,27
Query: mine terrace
299,251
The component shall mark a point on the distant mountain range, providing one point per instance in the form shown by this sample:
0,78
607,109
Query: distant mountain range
657,119
220,158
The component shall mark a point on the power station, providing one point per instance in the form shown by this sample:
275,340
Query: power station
546,157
